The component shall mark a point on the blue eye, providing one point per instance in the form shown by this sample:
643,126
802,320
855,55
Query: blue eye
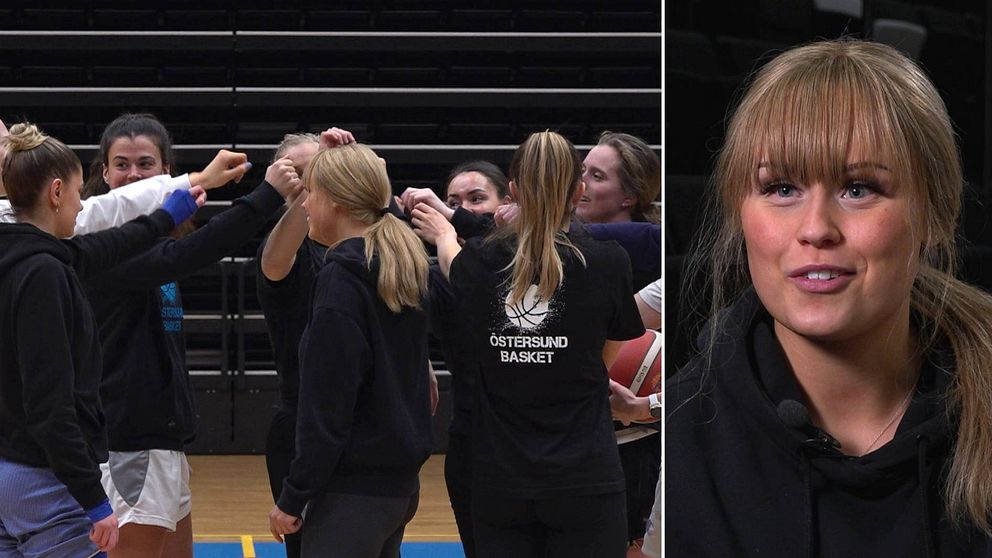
778,189
859,190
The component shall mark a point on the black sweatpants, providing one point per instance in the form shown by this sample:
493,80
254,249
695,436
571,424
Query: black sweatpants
458,478
641,461
280,447
568,526
356,526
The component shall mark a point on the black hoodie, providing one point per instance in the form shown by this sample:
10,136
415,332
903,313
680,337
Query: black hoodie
364,417
741,482
50,361
146,389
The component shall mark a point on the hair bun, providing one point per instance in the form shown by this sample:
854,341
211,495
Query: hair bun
24,136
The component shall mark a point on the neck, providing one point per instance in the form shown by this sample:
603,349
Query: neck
855,388
44,221
345,227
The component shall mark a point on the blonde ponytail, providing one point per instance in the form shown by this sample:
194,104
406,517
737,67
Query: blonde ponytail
354,177
958,314
403,264
545,172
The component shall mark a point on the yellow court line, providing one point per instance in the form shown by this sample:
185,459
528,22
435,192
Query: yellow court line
247,546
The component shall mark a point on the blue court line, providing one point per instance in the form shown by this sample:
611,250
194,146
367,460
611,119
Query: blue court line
275,550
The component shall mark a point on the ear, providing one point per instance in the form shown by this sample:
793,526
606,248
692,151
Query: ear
627,203
579,192
513,189
55,192
106,177
506,200
166,169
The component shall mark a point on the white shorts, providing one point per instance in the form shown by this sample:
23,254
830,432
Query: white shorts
149,487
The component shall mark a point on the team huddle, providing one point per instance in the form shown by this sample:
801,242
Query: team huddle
541,275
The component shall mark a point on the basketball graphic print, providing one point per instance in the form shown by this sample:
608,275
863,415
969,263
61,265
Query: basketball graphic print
529,311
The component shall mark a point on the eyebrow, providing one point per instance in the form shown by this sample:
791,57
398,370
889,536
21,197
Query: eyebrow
142,158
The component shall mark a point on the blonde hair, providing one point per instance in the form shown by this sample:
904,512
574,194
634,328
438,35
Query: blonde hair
292,140
546,171
639,171
789,116
354,177
32,161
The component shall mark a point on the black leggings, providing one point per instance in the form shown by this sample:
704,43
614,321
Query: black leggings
355,526
458,478
641,461
280,447
567,526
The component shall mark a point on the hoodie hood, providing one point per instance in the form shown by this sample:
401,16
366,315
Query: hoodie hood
350,253
769,380
752,482
19,241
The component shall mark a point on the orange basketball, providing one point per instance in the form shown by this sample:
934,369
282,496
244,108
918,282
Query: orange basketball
638,364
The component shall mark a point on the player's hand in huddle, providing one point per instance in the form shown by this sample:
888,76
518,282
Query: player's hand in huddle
413,196
335,137
282,176
431,225
226,166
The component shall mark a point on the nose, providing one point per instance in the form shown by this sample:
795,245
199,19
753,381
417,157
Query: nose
819,226
132,173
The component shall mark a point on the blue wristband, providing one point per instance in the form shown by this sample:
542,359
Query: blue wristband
180,205
100,511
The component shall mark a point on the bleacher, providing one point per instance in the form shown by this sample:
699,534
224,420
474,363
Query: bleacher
427,84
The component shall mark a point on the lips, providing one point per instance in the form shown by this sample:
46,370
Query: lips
821,279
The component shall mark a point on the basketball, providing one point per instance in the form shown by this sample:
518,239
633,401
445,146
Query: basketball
529,312
638,364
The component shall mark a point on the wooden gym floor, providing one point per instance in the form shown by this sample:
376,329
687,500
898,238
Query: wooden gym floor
231,501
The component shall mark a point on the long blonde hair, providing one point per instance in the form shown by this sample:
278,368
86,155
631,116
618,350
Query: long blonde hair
546,171
355,178
790,115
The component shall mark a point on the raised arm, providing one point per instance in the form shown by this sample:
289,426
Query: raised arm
172,259
284,241
434,228
123,204
95,253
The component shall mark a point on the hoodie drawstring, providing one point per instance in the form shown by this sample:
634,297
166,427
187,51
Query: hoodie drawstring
921,469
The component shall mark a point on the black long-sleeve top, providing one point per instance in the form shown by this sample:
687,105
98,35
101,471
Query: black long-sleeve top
364,422
50,358
146,390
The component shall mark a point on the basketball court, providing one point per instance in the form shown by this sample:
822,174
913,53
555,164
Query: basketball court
231,503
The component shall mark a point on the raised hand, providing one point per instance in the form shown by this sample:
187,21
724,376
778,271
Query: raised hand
227,166
431,225
505,214
334,137
413,196
282,176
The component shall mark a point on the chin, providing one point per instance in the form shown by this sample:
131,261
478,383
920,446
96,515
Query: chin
821,328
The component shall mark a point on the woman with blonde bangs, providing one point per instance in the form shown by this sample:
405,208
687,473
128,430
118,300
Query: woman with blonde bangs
544,309
841,402
364,411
